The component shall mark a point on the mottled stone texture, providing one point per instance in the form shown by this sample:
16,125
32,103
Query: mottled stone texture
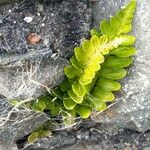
2,2
61,25
132,108
99,137
27,70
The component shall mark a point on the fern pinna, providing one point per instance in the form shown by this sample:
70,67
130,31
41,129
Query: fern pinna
97,64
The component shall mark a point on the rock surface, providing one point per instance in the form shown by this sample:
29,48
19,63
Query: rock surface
98,137
26,70
132,108
10,147
62,24
7,1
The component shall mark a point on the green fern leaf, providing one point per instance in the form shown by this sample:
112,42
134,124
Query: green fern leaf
39,106
95,32
84,111
78,89
68,102
71,71
123,51
121,22
102,95
102,107
108,85
75,97
118,63
38,134
111,73
33,137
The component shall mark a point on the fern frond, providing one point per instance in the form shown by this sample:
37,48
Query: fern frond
87,59
120,23
94,70
103,59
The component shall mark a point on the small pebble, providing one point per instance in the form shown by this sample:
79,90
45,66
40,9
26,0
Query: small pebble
43,24
52,14
38,14
33,38
28,19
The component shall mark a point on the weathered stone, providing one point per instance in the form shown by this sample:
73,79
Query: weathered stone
132,108
98,137
30,80
15,130
10,147
26,70
7,1
65,23
25,67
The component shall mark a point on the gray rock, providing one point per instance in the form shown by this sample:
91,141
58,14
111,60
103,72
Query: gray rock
10,147
7,1
99,137
31,79
132,108
26,70
65,23
15,130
